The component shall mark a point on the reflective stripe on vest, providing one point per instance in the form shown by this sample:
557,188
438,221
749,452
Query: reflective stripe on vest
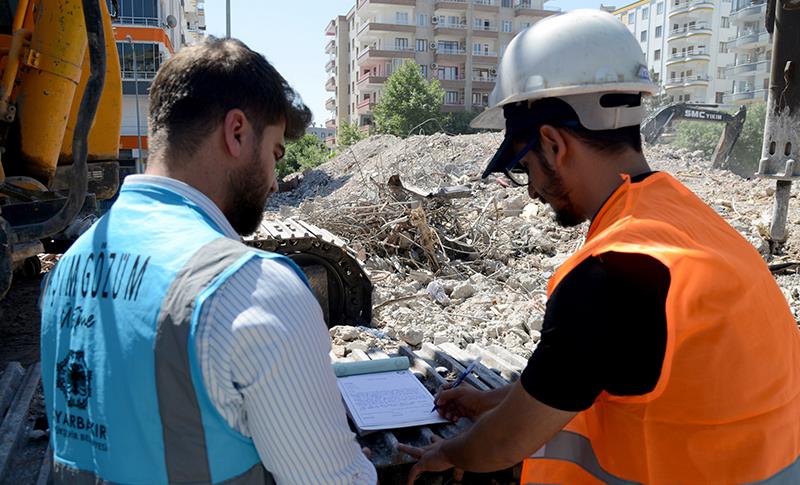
725,408
72,476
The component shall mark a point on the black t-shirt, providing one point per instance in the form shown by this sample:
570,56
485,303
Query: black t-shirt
604,329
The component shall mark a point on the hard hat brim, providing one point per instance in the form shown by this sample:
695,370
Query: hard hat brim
493,119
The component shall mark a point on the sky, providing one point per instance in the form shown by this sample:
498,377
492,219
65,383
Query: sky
291,36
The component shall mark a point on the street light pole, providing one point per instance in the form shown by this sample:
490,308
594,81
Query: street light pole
228,19
139,167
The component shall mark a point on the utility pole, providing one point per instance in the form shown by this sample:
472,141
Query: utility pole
139,165
227,19
780,153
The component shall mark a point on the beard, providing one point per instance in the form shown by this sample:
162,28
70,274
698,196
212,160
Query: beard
554,190
247,195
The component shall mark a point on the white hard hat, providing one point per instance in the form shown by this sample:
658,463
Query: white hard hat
577,57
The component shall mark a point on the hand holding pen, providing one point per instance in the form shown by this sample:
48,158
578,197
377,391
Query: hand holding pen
460,379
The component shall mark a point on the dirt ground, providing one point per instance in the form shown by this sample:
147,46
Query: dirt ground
19,331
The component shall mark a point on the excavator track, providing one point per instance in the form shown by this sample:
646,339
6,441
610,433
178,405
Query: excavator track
338,280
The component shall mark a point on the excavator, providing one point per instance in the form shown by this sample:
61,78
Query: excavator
655,125
60,118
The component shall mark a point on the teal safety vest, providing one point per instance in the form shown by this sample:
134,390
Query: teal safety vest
123,388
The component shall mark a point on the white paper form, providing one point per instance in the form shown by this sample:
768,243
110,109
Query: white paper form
387,400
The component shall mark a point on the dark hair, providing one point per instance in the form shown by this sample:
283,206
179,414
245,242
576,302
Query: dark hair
196,88
556,112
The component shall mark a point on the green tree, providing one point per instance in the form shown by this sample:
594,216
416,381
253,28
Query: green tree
349,134
408,100
303,153
458,123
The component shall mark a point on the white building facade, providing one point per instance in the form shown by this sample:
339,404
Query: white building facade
687,45
752,50
458,42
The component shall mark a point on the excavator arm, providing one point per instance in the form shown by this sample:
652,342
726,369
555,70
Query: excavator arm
654,126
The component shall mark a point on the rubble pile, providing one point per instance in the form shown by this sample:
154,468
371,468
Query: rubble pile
474,269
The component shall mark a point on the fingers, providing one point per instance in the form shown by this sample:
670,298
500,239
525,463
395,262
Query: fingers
411,450
367,452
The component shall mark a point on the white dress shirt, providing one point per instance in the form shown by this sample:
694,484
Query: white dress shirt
263,349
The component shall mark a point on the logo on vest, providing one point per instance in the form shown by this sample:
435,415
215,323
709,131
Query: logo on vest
74,379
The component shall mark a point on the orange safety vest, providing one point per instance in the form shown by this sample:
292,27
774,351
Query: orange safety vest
726,408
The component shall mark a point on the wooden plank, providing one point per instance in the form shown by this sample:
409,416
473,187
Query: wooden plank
486,375
494,362
8,385
46,468
434,353
13,426
514,360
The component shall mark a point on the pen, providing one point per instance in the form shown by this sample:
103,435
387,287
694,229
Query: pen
460,378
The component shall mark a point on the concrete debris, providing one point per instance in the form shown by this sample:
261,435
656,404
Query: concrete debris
474,271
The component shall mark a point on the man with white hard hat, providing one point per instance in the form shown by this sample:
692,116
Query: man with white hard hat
668,352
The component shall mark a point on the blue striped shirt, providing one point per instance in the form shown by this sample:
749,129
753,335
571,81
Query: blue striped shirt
264,354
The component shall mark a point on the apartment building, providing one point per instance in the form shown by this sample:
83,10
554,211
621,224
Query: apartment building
686,43
458,42
752,49
148,32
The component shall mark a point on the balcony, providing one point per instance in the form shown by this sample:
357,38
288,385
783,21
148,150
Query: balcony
527,8
330,66
748,10
375,26
745,66
700,28
365,105
330,85
687,81
483,82
330,104
484,54
486,5
453,106
330,124
451,4
449,54
451,82
690,7
386,53
330,47
749,39
407,3
485,31
330,29
688,56
450,28
745,97
371,80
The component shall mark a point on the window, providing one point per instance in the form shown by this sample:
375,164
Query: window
723,47
659,8
451,97
524,25
645,13
506,26
400,44
720,73
507,3
148,59
631,18
726,22
448,73
766,83
718,97
656,77
657,55
422,45
422,19
658,31
643,36
142,12
401,18
423,69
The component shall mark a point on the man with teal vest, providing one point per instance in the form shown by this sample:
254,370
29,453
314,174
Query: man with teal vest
172,352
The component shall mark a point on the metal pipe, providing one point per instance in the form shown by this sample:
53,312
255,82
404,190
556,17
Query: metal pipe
782,125
92,15
18,39
19,15
227,19
139,168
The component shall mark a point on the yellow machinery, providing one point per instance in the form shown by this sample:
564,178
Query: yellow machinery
60,115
